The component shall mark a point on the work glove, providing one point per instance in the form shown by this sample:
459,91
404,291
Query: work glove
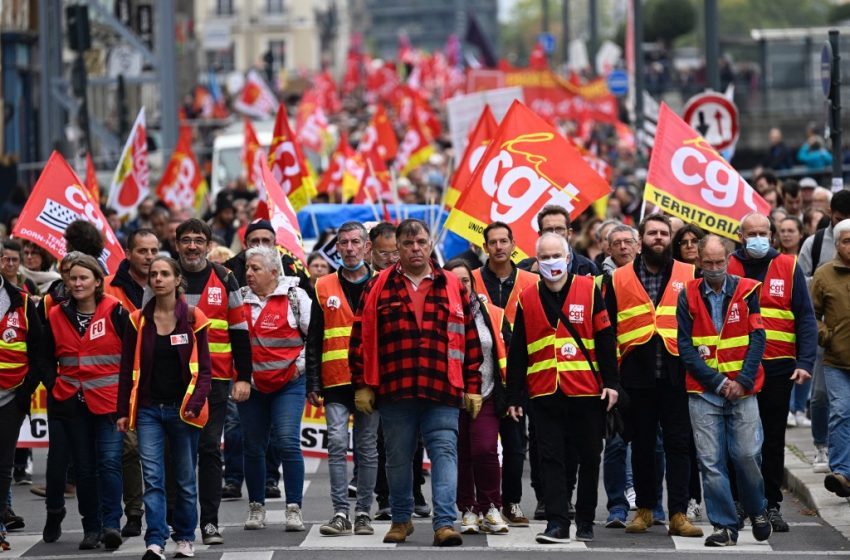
364,400
472,404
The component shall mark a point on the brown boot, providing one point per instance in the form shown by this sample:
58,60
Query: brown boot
680,526
447,536
640,522
399,532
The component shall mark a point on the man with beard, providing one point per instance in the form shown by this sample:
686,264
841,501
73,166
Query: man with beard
641,300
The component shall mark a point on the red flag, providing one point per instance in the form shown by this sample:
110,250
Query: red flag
252,154
537,58
687,178
287,163
183,184
91,178
375,180
379,136
477,141
527,166
281,214
58,199
130,181
415,150
256,99
331,182
311,123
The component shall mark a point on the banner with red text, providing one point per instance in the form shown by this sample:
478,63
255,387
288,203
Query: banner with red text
130,182
58,199
689,179
527,165
183,184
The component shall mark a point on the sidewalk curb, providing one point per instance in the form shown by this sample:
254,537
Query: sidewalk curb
808,487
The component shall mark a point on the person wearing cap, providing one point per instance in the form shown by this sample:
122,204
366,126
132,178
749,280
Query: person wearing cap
221,223
259,233
807,189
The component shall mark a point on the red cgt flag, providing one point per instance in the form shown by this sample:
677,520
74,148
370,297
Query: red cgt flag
252,154
331,182
687,178
281,214
58,199
527,166
288,165
311,123
476,144
91,178
183,184
380,136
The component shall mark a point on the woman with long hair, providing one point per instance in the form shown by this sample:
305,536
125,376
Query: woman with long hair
83,344
790,235
162,395
685,243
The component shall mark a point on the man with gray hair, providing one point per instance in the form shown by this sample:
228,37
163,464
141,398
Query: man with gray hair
832,309
721,341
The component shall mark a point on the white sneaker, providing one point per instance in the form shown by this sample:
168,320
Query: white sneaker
469,523
153,551
185,549
821,462
493,522
694,510
256,516
802,421
631,496
791,422
294,521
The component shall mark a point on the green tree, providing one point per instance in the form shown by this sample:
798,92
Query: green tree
666,20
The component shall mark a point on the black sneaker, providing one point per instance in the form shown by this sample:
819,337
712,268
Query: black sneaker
540,511
762,527
720,537
272,490
554,535
742,515
111,539
22,477
775,517
584,531
53,526
133,527
210,535
337,526
13,522
231,492
91,541
384,512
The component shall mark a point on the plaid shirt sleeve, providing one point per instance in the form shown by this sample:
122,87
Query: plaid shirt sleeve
473,356
355,343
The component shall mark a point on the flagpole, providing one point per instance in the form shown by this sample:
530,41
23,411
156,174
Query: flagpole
642,210
449,172
313,216
363,186
396,198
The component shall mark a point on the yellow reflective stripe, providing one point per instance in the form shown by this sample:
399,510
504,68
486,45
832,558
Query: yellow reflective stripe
220,324
335,355
772,313
633,312
729,367
560,366
11,365
337,332
14,346
589,343
667,333
503,363
193,368
711,362
707,340
665,310
733,342
636,333
219,347
781,336
573,366
541,365
538,345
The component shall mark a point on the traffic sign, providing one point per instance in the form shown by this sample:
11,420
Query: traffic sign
547,41
618,83
715,117
826,69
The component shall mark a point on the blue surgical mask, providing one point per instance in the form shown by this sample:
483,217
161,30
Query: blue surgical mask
757,247
353,268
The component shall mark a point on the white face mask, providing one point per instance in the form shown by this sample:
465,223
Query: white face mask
553,269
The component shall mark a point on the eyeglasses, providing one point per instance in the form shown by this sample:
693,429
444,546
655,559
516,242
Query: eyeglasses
197,241
623,242
686,242
11,260
558,230
388,254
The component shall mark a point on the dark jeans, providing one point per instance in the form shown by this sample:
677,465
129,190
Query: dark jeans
565,422
514,443
209,454
132,472
382,488
11,418
234,468
667,404
537,482
694,484
773,410
58,471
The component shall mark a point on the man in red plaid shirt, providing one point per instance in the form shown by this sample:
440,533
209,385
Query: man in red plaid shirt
415,350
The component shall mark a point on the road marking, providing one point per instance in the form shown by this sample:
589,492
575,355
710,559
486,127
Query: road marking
247,555
20,545
138,545
746,542
311,465
315,540
523,537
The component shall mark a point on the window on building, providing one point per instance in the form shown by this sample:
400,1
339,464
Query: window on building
278,50
224,7
274,6
222,61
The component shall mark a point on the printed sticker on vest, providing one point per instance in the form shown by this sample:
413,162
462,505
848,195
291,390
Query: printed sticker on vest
270,321
704,352
13,321
9,335
97,329
179,339
214,296
734,314
482,298
333,302
569,350
777,287
576,313
678,286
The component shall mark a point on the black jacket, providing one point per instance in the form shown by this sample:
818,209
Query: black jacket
579,265
131,288
291,267
35,350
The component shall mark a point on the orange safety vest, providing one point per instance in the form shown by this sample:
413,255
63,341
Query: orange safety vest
554,358
213,302
117,293
89,362
14,363
200,322
723,352
638,320
497,318
775,300
523,280
338,317
455,331
275,345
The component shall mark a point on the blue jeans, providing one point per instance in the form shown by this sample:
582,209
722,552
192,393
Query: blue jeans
154,425
800,396
275,414
233,469
616,473
838,389
366,445
403,421
97,449
730,431
819,404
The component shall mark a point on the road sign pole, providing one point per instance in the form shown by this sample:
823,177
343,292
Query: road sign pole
637,21
835,104
712,47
